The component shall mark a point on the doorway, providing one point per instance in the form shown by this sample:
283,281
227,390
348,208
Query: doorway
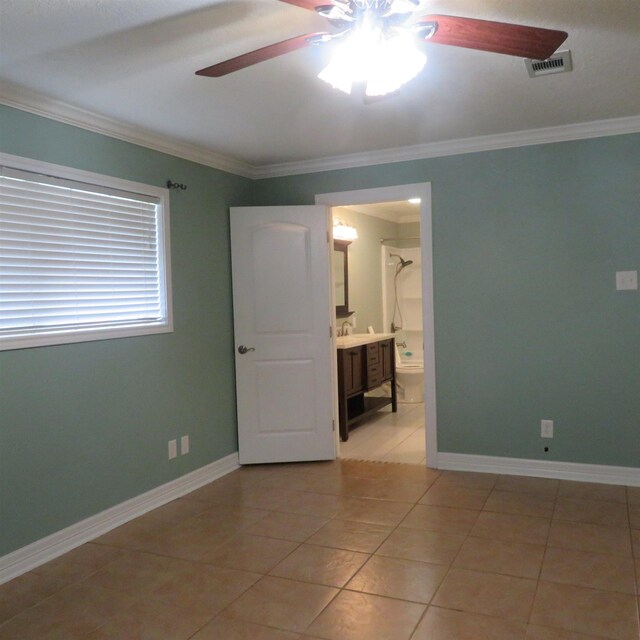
418,417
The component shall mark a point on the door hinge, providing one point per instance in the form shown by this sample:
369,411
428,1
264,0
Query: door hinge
330,331
333,424
328,237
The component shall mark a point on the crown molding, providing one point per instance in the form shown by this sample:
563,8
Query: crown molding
563,133
13,95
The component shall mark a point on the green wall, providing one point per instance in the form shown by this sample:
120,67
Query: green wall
528,324
85,426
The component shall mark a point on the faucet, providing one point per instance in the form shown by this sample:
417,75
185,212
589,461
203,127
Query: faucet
343,331
402,344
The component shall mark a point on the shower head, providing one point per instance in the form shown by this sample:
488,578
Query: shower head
403,263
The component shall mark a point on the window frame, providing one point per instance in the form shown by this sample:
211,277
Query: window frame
88,334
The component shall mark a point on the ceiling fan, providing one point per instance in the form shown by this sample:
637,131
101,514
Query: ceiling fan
377,42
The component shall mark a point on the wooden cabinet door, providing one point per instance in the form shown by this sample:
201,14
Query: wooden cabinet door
352,377
387,359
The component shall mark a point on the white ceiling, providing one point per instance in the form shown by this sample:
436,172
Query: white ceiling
134,61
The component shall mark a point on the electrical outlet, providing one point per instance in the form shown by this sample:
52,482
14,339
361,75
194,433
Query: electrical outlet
173,449
626,280
546,428
184,445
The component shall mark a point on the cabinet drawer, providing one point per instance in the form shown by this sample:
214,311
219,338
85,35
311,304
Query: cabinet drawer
374,376
373,353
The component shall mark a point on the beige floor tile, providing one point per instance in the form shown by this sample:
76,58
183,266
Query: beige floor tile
252,553
203,589
589,537
394,489
287,526
280,603
133,572
544,486
611,615
397,578
25,591
487,593
634,516
446,519
445,624
134,535
586,569
633,495
70,614
592,491
320,565
535,632
511,528
445,495
635,537
523,504
468,479
321,505
360,616
78,563
352,536
151,619
423,546
507,558
229,629
374,511
610,514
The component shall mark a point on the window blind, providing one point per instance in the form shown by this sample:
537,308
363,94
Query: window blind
75,256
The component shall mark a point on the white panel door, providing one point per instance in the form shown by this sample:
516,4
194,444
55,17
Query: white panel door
282,319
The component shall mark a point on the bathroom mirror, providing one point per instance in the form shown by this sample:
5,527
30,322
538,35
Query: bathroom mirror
341,277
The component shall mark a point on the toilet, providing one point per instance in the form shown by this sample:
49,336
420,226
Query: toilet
410,379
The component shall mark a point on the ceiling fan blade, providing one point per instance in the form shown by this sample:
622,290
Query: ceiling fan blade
307,4
259,55
497,37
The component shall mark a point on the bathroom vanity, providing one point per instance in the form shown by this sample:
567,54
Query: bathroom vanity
365,362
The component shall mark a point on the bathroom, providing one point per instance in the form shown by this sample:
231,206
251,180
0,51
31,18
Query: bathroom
384,297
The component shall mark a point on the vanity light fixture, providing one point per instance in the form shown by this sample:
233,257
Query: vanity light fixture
343,231
414,200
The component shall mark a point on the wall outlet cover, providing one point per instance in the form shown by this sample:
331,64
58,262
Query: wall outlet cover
184,445
546,428
173,449
626,280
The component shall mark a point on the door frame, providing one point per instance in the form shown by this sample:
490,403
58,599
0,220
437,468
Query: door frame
420,190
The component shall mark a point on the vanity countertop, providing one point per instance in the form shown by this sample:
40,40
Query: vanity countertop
358,339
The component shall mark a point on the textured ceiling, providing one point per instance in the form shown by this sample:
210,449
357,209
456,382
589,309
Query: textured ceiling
134,61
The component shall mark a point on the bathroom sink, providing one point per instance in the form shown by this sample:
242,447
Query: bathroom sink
358,339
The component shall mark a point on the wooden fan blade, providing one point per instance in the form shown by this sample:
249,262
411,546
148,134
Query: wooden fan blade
307,4
497,37
259,55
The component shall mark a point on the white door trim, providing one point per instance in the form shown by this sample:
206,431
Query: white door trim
404,192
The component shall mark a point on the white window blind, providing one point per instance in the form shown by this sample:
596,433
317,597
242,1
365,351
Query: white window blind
77,258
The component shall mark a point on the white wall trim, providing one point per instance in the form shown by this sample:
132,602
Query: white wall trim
13,95
604,474
563,133
41,105
33,555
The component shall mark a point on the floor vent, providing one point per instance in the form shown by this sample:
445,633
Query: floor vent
558,63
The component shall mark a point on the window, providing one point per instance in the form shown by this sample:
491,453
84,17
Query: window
82,256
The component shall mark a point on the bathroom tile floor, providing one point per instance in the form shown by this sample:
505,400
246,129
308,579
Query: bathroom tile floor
350,550
389,437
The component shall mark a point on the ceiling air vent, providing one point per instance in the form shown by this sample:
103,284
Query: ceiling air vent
557,63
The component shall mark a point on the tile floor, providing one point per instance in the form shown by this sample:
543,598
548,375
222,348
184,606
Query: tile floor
350,550
389,437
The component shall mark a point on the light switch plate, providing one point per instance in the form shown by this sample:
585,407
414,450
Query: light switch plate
173,449
184,445
546,428
626,280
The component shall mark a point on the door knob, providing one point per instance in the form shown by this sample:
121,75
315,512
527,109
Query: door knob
242,349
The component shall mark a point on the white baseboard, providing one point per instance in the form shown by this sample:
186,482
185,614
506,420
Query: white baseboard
33,555
604,474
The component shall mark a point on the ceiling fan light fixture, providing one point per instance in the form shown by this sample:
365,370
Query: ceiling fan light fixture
368,55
